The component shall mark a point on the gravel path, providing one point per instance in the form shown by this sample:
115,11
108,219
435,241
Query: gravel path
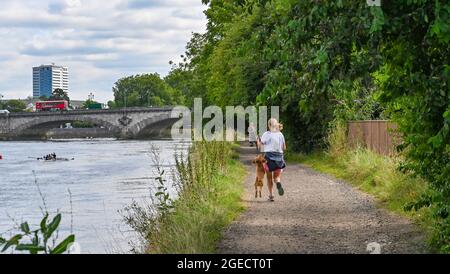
317,214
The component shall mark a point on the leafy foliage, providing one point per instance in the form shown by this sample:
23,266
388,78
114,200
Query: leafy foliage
144,90
312,60
324,62
206,201
414,84
59,94
38,240
88,103
81,124
13,105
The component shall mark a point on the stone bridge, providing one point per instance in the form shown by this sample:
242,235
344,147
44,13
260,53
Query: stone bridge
121,123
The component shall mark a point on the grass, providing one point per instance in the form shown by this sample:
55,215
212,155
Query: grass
195,226
209,183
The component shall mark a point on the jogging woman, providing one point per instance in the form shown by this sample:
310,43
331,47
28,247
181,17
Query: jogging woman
273,145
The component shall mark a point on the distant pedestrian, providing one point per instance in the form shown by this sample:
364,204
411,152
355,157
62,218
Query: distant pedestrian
252,137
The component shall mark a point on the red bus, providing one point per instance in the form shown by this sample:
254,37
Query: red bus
52,105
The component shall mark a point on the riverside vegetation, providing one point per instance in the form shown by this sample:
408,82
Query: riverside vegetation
40,240
208,188
327,62
324,63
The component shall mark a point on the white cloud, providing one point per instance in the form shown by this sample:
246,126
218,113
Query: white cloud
100,41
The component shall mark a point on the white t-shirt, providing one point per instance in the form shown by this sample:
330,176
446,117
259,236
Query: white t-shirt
273,141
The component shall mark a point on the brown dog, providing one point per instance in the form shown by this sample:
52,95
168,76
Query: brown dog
260,172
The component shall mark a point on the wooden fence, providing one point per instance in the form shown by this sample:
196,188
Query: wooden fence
378,136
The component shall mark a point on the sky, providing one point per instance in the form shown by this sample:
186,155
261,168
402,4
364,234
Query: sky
100,41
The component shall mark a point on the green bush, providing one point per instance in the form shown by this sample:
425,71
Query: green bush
144,90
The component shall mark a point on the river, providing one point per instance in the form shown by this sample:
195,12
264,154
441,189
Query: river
105,176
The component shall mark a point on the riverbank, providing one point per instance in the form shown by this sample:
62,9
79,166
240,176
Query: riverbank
209,184
317,214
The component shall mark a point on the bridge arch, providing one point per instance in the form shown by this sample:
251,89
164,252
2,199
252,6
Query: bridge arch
152,125
121,123
36,122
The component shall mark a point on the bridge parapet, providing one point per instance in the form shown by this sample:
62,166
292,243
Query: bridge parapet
124,123
93,111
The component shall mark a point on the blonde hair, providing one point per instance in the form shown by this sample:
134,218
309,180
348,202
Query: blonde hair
273,125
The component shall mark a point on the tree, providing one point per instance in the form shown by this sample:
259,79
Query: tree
328,61
180,80
88,103
60,94
414,84
156,101
15,106
311,60
111,104
145,90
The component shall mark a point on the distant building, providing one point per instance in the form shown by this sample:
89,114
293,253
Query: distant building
47,78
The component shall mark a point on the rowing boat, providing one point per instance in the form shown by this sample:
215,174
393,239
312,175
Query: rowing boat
54,160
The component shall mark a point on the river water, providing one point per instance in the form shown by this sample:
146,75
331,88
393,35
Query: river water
105,176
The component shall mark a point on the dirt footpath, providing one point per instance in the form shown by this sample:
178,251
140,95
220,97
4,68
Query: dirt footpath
317,214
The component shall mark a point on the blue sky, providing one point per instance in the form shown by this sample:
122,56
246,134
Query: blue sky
99,40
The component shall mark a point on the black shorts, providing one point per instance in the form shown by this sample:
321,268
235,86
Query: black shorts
274,164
